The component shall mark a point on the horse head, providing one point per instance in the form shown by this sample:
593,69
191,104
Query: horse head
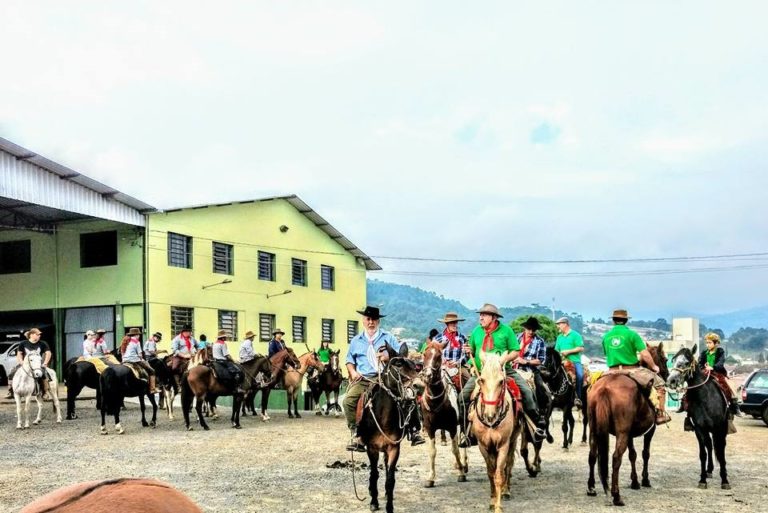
683,367
35,362
491,384
333,361
402,374
314,361
660,359
432,362
552,363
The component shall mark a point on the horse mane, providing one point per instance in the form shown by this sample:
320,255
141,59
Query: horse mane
492,370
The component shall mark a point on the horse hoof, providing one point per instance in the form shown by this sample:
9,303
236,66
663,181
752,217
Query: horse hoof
19,427
532,473
237,426
725,486
429,484
462,479
635,485
618,502
374,507
591,492
121,431
190,428
298,416
703,486
709,475
206,428
506,496
145,424
319,413
646,484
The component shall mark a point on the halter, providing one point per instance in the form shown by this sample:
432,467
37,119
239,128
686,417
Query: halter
501,413
402,390
440,381
687,373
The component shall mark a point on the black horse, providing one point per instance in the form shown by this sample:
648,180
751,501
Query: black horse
707,409
166,382
329,382
118,382
563,397
258,376
385,420
78,375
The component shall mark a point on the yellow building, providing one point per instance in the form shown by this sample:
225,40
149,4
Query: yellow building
254,265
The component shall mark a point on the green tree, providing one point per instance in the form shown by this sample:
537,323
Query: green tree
548,329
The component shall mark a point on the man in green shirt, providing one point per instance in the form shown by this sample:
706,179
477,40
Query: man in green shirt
621,346
492,336
570,345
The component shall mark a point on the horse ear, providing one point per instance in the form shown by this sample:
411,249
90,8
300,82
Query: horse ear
661,347
695,348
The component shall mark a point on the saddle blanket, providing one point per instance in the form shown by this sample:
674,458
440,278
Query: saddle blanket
137,370
100,363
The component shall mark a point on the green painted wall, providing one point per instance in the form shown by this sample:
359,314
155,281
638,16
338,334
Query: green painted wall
35,290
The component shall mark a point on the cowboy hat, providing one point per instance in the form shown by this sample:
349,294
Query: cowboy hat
278,330
249,334
89,333
223,334
101,331
186,327
620,314
450,317
133,331
490,309
532,323
158,335
372,312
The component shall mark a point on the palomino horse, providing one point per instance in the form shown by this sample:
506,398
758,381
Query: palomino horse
292,380
25,386
200,383
563,395
617,406
123,495
440,410
117,383
328,382
495,425
384,421
708,410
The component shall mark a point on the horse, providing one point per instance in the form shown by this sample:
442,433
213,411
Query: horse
617,406
292,380
708,410
563,396
259,375
496,426
78,375
384,421
118,382
200,383
165,382
278,363
25,386
329,382
440,411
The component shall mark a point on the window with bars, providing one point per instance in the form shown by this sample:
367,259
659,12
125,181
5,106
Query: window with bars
98,249
181,315
327,330
16,257
228,322
352,330
266,326
299,330
299,272
223,258
327,280
179,250
266,266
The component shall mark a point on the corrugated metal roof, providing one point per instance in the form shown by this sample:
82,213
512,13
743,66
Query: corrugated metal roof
62,188
310,214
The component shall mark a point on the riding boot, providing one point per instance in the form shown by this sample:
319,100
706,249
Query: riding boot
661,414
540,433
734,409
355,443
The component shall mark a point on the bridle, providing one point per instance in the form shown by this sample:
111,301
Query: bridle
429,373
687,372
501,407
405,394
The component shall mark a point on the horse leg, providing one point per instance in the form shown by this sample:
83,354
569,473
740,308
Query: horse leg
264,402
457,454
373,489
118,427
237,403
622,440
584,418
199,399
702,456
524,454
56,402
143,406
710,459
430,481
634,483
152,401
393,454
646,482
26,411
720,440
296,393
567,414
39,410
169,397
501,477
592,460
72,393
18,409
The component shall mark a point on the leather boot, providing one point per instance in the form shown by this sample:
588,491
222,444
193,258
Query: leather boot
152,384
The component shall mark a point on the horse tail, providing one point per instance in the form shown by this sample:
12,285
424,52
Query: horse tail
186,394
599,420
111,399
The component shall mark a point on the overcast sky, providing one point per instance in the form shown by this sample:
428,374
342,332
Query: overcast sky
553,130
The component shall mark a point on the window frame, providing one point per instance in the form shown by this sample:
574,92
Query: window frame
177,320
301,265
231,326
303,323
229,257
12,247
271,321
353,328
332,277
186,259
272,265
328,326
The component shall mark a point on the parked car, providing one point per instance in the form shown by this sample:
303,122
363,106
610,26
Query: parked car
7,360
754,395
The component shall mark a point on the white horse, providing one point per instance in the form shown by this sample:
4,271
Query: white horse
24,388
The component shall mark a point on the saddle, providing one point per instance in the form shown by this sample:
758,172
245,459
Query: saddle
138,371
645,378
722,382
570,371
101,363
517,396
458,376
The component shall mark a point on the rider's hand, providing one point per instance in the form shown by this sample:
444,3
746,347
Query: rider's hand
467,349
655,369
354,376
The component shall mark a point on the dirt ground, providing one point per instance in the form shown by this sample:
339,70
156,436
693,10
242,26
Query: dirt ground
281,466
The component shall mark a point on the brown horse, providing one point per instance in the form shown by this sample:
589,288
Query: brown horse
292,380
495,425
329,382
440,410
200,383
618,406
122,495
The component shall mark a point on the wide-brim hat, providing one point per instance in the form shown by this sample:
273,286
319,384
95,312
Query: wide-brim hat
450,317
372,312
278,330
186,327
249,334
532,323
490,309
133,331
90,333
32,331
223,334
157,334
620,314
101,331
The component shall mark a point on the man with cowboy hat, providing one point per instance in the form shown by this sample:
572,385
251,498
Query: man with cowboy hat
132,357
453,342
226,369
367,352
570,345
150,346
32,343
621,346
277,345
246,352
100,348
492,336
183,347
533,354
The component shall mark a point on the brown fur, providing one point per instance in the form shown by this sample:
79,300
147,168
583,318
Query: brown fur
292,380
114,496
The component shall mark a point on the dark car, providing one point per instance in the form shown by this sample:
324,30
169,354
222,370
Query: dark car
754,395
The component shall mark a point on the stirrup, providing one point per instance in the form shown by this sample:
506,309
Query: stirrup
355,446
662,417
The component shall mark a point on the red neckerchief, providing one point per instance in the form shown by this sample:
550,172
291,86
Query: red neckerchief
488,339
187,341
526,342
221,341
451,336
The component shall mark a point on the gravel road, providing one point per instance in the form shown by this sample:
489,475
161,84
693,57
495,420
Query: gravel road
281,466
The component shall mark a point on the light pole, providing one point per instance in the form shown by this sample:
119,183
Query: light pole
222,282
553,309
279,293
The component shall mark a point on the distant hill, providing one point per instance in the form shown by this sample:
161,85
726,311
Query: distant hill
732,321
417,310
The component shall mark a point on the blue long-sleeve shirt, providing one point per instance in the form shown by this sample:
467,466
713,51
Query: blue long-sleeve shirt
358,350
275,346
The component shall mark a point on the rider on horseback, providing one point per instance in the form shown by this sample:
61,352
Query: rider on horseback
324,355
621,346
100,348
533,354
132,357
367,353
570,345
226,368
183,347
276,345
453,342
33,343
492,336
150,346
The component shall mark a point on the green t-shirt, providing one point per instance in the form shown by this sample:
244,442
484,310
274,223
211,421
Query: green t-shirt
570,341
504,341
621,346
324,355
423,347
711,358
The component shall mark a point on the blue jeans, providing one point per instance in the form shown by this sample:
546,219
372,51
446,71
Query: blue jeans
579,378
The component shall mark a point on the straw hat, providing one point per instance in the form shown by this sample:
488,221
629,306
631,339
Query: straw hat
450,317
620,314
490,309
133,332
249,334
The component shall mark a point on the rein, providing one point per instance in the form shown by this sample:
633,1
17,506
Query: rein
501,413
397,399
426,398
